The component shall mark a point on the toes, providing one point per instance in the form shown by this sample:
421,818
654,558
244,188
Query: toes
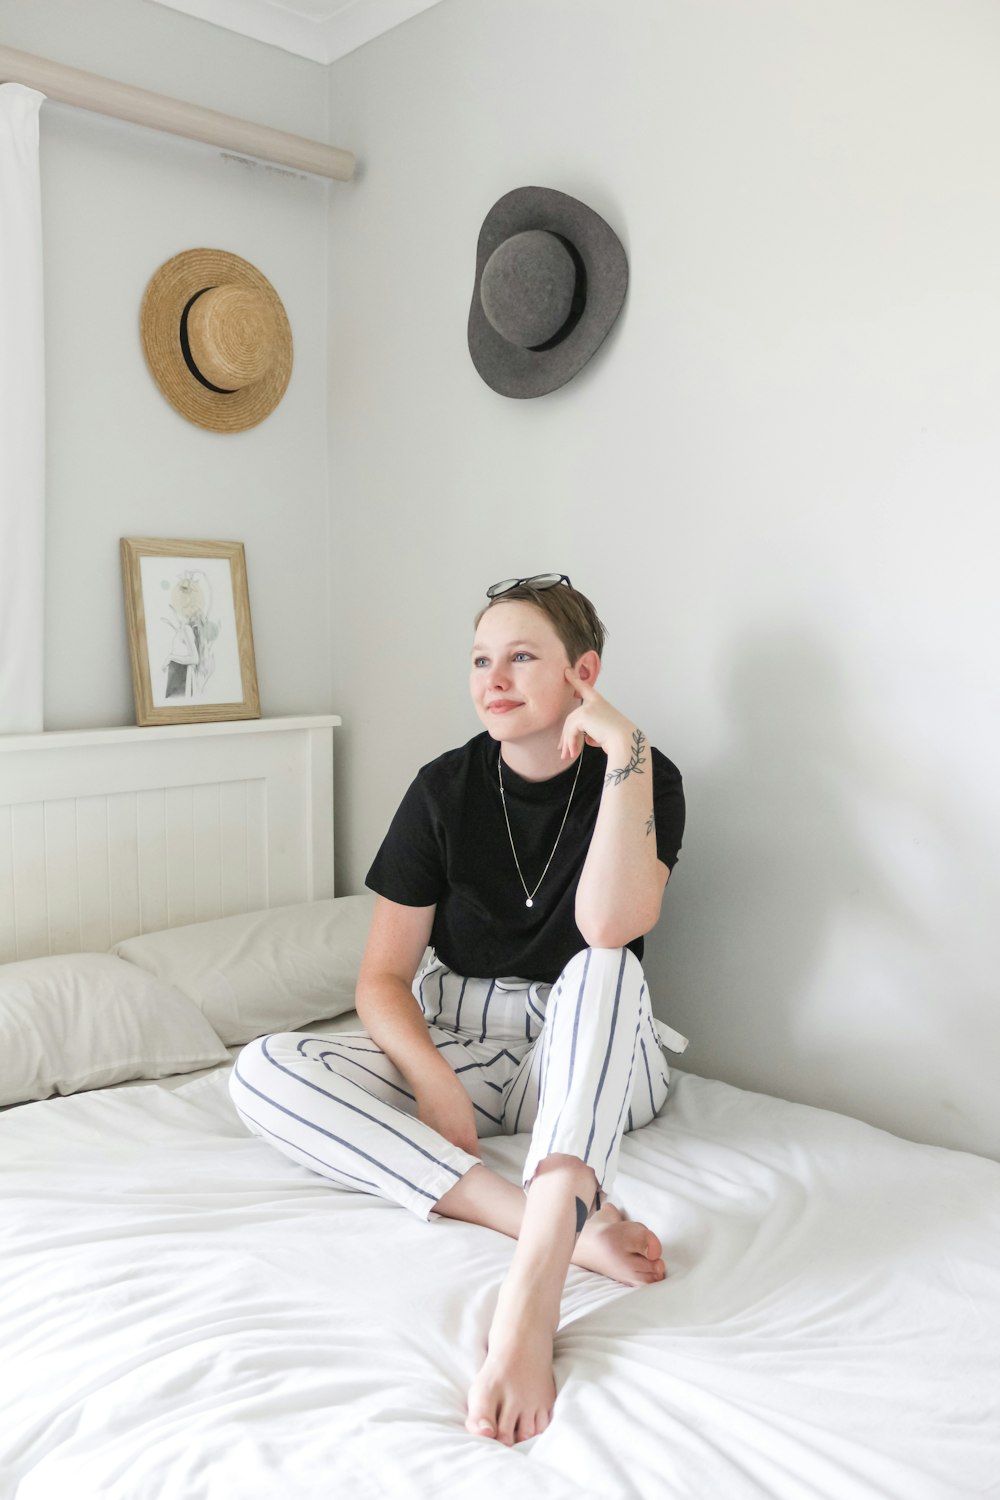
505,1432
482,1414
646,1272
509,1428
530,1426
642,1242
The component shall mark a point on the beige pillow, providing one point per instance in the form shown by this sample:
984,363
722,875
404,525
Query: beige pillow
265,970
87,1020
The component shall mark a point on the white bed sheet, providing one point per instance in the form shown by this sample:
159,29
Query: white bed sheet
189,1316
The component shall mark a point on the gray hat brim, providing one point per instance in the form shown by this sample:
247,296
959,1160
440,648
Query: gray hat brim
509,369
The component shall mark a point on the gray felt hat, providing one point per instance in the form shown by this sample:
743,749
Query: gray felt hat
550,281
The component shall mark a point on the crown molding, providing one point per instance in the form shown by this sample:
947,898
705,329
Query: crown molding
321,30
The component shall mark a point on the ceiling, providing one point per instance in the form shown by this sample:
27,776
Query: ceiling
321,30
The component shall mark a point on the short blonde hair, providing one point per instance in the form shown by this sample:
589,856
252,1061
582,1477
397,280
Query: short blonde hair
574,619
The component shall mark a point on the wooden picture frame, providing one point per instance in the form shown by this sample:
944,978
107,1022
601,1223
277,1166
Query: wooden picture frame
187,607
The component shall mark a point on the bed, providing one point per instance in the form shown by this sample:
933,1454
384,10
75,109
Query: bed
190,1316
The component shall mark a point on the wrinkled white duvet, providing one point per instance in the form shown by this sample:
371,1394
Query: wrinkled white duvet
189,1316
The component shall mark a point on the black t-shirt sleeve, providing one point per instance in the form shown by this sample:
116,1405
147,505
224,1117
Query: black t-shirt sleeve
668,809
410,865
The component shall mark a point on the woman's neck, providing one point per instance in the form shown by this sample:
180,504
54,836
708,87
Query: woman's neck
535,761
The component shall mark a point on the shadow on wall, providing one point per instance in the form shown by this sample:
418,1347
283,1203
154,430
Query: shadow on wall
778,860
830,936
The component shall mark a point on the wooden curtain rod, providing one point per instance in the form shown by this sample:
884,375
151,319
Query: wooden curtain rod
158,112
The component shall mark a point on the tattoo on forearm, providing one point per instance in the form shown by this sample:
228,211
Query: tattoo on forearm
636,762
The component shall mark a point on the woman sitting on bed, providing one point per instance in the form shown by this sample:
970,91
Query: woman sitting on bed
531,860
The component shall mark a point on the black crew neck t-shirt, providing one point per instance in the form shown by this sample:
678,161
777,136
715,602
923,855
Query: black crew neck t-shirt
448,846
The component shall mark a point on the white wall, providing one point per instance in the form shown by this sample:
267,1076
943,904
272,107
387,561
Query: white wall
778,479
117,202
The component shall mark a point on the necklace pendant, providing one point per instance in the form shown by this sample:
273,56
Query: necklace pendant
503,803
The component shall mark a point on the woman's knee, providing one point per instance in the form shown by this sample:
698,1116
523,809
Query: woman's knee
615,965
257,1059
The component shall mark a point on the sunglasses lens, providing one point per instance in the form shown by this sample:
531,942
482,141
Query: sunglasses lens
537,581
503,587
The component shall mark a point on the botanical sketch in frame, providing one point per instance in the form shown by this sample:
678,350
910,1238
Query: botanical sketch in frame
189,634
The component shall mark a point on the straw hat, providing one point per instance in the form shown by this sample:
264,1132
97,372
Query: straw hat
216,339
550,281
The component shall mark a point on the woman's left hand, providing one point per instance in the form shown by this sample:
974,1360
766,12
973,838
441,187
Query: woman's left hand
595,722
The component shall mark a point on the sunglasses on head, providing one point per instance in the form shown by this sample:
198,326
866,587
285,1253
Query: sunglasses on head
536,581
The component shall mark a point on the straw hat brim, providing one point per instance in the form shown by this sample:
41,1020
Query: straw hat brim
514,371
167,295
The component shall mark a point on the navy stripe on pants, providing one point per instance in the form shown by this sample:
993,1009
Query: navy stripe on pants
574,1063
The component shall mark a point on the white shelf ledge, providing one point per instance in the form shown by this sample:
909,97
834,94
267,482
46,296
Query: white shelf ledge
58,739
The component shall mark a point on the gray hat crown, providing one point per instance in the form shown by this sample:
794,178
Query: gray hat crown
551,276
527,287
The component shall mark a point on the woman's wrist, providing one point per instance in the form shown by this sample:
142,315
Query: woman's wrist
628,755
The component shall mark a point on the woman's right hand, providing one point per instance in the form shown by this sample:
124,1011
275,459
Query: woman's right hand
443,1104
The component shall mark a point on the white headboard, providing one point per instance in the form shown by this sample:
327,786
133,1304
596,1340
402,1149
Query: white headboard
106,833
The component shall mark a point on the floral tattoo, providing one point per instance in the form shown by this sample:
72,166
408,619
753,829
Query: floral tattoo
636,761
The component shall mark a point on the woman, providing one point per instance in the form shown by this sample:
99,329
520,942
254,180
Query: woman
539,850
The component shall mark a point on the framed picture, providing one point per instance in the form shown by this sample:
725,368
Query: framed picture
189,635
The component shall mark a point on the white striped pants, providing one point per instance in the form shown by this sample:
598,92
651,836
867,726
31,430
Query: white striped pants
577,1063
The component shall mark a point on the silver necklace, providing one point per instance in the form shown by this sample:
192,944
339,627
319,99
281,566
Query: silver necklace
530,895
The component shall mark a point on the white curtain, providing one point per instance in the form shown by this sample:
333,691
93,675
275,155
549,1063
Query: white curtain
22,414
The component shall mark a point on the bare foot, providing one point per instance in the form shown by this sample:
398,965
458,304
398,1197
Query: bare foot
620,1248
512,1396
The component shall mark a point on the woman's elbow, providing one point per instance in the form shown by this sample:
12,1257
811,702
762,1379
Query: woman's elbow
616,930
370,986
